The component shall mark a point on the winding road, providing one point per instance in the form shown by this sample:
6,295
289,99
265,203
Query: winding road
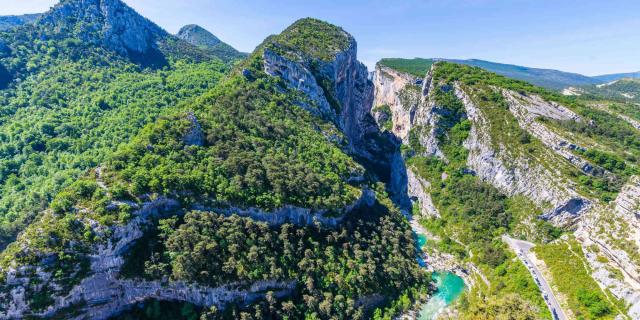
522,249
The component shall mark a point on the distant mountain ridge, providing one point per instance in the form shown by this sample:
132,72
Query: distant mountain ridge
9,22
618,76
548,78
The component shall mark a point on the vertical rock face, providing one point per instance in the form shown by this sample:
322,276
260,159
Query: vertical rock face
299,77
418,190
508,172
354,93
339,90
427,117
411,108
349,88
388,84
108,22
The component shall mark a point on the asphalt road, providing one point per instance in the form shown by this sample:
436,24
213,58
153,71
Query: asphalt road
522,249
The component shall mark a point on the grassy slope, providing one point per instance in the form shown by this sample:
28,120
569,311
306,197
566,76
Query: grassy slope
571,275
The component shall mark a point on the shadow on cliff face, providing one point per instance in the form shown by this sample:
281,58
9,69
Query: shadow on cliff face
153,59
379,153
5,77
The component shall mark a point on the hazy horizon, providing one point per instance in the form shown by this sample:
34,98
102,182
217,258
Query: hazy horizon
586,37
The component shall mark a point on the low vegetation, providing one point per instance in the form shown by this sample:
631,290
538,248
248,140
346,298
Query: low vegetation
571,275
417,67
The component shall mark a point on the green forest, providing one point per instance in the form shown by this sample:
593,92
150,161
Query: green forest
182,179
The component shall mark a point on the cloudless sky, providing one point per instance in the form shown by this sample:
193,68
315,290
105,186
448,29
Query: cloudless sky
588,36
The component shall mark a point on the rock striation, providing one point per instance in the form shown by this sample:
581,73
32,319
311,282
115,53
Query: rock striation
610,236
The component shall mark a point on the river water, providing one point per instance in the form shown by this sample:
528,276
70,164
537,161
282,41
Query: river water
449,288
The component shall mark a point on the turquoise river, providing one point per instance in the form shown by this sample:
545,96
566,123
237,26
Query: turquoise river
449,288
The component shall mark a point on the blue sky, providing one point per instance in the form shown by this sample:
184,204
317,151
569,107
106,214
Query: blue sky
588,36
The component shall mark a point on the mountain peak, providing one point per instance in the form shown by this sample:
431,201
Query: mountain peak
109,22
203,39
313,37
198,36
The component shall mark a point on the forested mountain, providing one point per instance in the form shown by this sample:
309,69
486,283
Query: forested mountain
253,159
150,176
204,39
71,94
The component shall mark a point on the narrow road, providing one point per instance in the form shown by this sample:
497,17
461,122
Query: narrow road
522,249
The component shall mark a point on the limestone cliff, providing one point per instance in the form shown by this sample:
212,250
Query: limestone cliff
339,90
388,85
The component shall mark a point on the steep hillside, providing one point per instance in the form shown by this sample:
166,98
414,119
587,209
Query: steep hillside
487,155
204,39
69,97
253,201
10,22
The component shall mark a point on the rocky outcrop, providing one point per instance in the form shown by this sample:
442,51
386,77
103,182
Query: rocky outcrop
418,190
339,90
102,293
297,215
411,104
11,22
527,109
299,77
195,136
427,117
105,296
635,123
198,36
